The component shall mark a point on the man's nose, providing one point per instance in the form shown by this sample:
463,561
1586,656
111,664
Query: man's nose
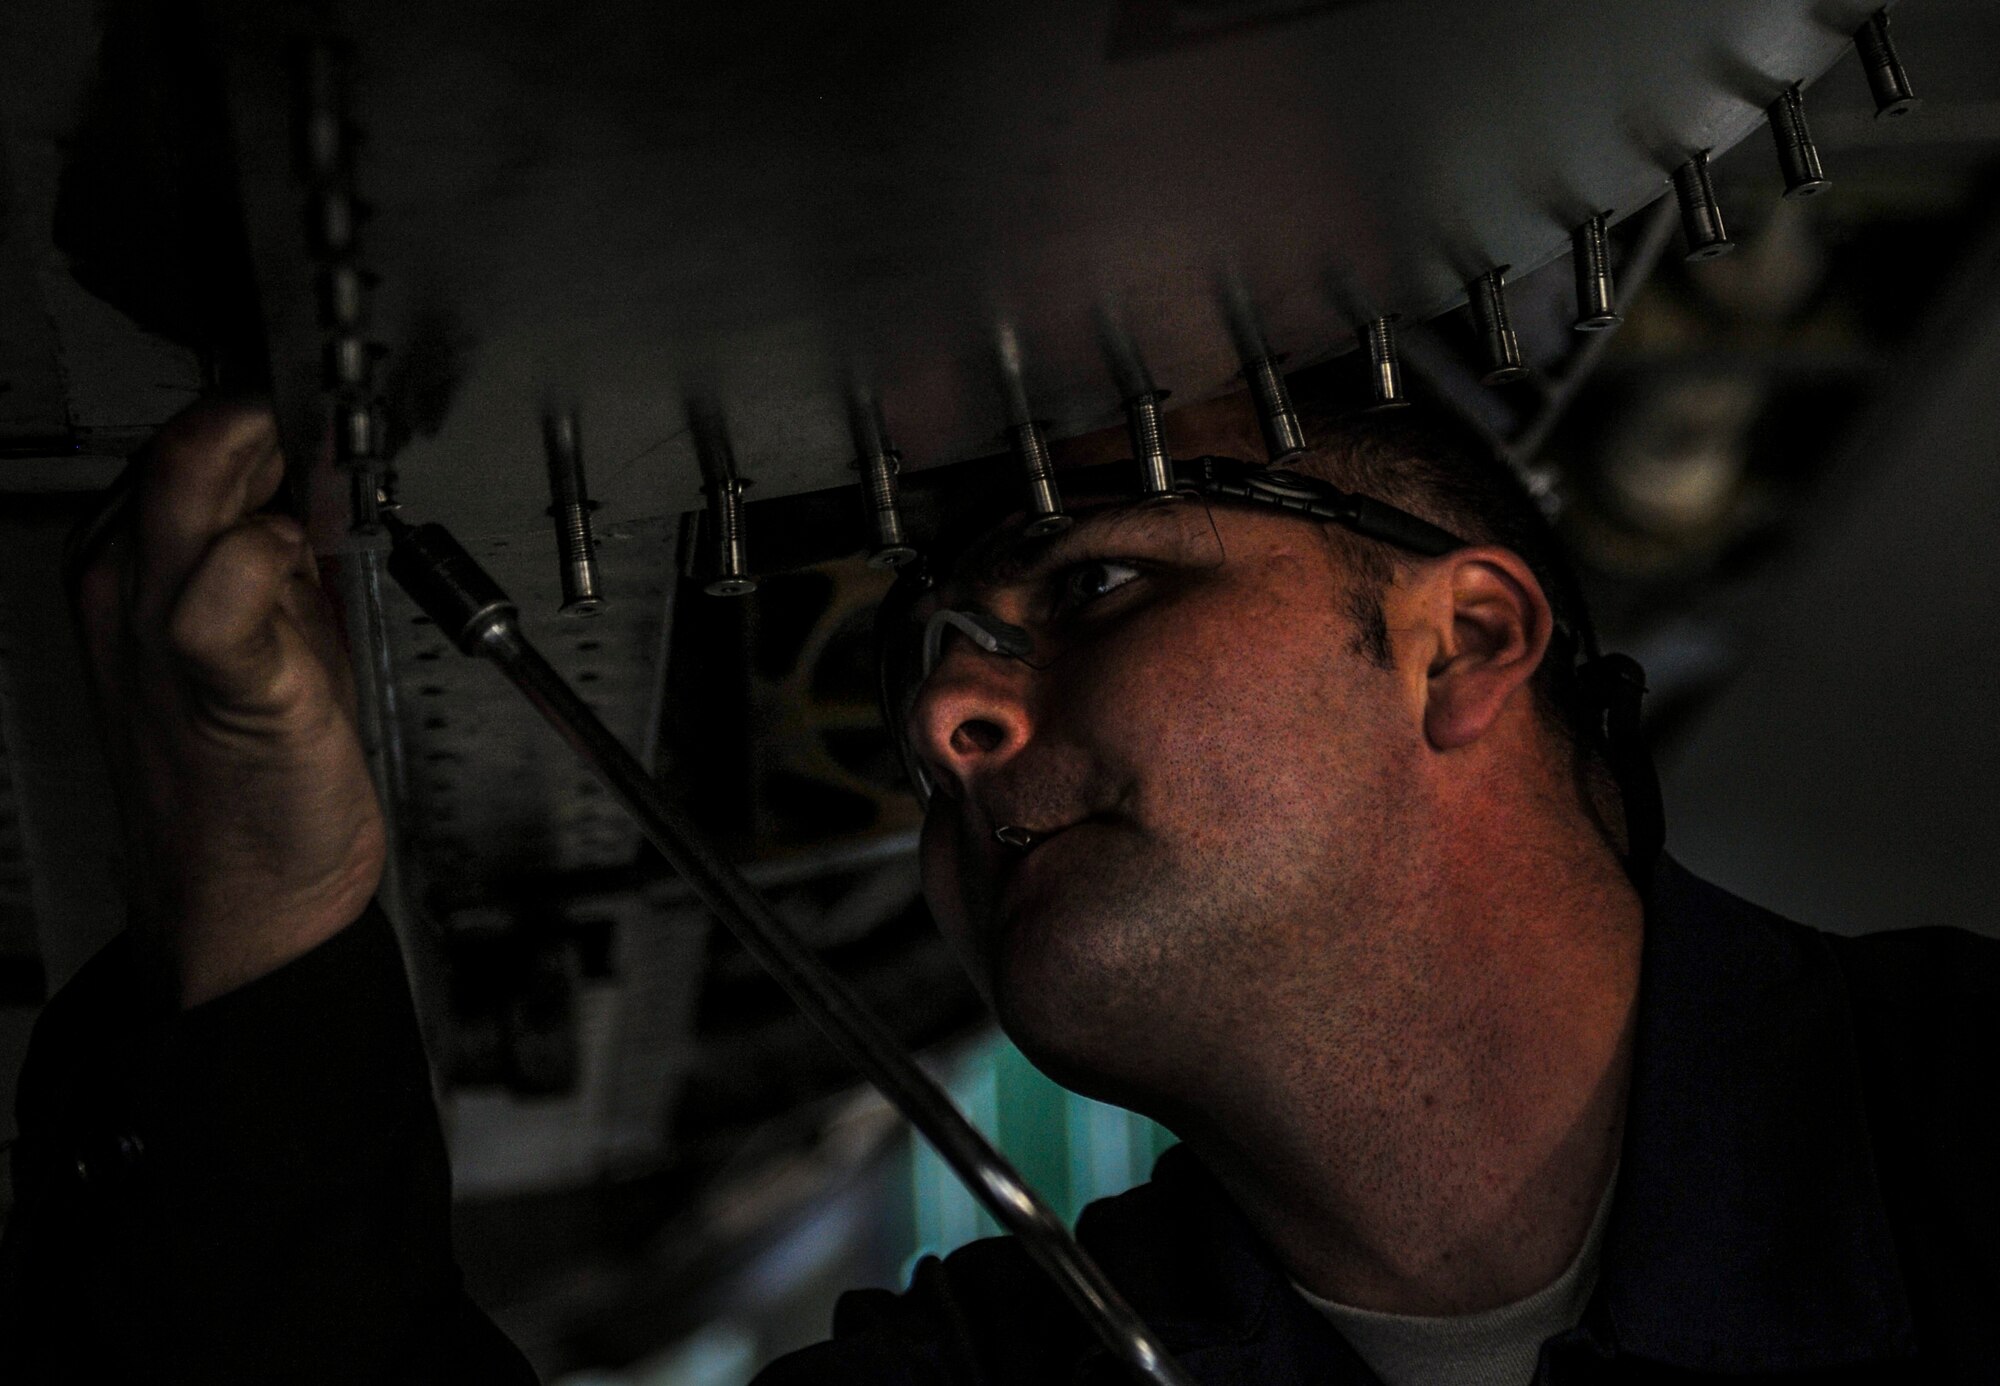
971,715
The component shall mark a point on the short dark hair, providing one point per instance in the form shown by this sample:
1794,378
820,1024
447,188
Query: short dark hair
1429,464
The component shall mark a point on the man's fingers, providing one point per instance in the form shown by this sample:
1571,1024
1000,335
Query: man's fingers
208,468
238,622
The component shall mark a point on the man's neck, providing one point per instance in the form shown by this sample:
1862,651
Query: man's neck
1427,1129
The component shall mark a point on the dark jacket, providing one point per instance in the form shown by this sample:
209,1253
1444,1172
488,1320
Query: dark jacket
1808,1193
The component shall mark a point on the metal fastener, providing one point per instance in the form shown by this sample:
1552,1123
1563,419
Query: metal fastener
338,215
724,489
1488,297
343,295
323,131
1590,256
1284,436
350,362
370,492
1701,219
1149,444
1031,451
878,469
1887,81
357,439
1385,371
732,557
1798,157
570,505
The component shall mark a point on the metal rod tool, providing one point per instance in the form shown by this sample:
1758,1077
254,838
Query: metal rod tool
470,607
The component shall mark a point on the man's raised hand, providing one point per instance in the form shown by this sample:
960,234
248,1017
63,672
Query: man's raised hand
252,828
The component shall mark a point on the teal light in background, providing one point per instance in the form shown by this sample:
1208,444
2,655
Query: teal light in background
1071,1149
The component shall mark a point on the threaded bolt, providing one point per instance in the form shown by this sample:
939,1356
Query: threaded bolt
732,556
1887,81
570,505
1284,436
350,362
343,295
1798,156
1590,255
1385,371
1488,297
1701,218
1149,444
357,437
1031,450
878,489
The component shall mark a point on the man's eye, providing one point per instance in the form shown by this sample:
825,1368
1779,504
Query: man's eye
1083,583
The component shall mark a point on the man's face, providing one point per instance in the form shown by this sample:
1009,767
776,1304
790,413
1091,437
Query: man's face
1210,767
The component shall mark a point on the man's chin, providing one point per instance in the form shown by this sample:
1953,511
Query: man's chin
1073,960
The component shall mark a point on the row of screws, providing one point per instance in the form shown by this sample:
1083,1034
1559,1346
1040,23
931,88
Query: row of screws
1798,156
335,216
1284,435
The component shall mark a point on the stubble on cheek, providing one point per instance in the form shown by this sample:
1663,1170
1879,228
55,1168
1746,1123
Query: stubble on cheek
1246,790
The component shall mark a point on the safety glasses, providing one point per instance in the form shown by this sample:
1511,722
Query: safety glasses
1012,592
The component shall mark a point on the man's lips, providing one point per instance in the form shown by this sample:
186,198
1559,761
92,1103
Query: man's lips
1010,856
1023,840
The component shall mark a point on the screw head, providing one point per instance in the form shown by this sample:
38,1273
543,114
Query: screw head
731,587
1598,322
893,556
1048,524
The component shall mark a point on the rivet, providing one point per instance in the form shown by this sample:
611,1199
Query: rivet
1701,219
1590,256
1798,157
1488,297
1887,81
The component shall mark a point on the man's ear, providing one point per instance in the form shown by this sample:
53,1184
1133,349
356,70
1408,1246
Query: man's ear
1490,624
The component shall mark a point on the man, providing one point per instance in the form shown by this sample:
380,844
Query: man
1285,835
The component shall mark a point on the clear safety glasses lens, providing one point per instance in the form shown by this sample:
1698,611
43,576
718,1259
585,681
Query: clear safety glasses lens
1037,599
